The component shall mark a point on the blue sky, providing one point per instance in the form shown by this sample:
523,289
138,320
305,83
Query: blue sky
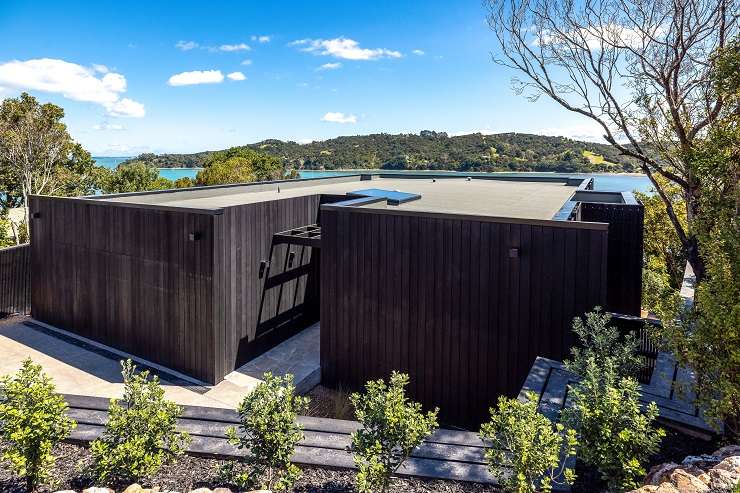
132,75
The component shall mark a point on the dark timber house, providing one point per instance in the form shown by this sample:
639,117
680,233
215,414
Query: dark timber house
461,282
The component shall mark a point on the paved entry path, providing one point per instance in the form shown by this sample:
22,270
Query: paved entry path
82,367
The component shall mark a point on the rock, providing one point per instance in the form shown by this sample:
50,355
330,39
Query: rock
201,490
704,478
701,461
97,489
667,488
727,451
687,483
134,488
731,464
721,480
660,474
222,490
65,491
650,488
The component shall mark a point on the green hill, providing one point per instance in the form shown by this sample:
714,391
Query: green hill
432,150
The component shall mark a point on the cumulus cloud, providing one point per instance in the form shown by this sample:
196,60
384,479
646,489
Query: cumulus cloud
587,132
330,66
196,77
72,81
108,126
338,117
418,52
246,62
186,45
234,47
100,68
344,48
262,39
236,76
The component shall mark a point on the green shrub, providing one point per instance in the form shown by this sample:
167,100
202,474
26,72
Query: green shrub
140,433
615,436
269,433
32,420
602,342
392,427
526,452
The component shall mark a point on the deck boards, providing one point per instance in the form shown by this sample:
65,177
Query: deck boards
549,380
448,454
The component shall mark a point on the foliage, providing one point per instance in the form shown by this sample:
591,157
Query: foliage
614,435
392,426
184,182
664,254
707,337
38,156
268,433
602,342
239,165
140,433
431,150
525,448
32,420
133,176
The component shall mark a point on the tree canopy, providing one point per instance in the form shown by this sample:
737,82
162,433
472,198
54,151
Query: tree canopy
239,165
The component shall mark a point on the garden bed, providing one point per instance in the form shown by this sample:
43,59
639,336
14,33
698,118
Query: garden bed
193,472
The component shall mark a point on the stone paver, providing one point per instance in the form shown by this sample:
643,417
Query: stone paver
81,370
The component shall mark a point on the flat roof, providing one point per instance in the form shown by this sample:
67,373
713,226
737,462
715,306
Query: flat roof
520,198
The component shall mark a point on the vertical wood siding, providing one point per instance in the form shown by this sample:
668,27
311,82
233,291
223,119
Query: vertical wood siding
127,277
441,299
15,280
247,324
624,264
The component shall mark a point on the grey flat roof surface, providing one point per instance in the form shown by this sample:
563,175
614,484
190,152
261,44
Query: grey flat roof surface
518,199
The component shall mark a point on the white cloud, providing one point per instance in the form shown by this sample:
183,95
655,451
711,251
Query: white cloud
418,52
236,76
345,48
196,77
330,66
337,117
108,126
586,132
305,141
100,68
262,39
72,81
186,45
126,107
246,62
234,47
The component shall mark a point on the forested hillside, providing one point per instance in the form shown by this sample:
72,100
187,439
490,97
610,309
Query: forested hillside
432,150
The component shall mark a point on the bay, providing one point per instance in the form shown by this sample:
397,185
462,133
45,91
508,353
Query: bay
602,181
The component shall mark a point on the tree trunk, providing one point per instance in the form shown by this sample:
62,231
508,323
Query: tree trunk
693,256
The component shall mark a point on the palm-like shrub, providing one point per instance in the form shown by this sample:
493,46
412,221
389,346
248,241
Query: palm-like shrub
268,433
140,434
525,451
32,420
392,426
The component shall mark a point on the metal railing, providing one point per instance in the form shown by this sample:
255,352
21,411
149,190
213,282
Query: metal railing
15,280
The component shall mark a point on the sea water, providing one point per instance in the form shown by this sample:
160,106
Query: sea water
602,181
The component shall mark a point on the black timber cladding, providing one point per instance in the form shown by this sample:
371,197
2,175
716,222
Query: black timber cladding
463,304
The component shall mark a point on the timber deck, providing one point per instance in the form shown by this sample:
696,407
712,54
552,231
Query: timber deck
447,454
668,388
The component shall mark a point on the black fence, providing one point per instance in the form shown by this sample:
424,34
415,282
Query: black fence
15,280
647,349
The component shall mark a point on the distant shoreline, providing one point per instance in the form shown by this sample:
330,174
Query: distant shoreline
380,170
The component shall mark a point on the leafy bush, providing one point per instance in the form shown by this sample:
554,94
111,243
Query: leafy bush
32,420
392,427
603,344
140,434
269,433
525,449
615,436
